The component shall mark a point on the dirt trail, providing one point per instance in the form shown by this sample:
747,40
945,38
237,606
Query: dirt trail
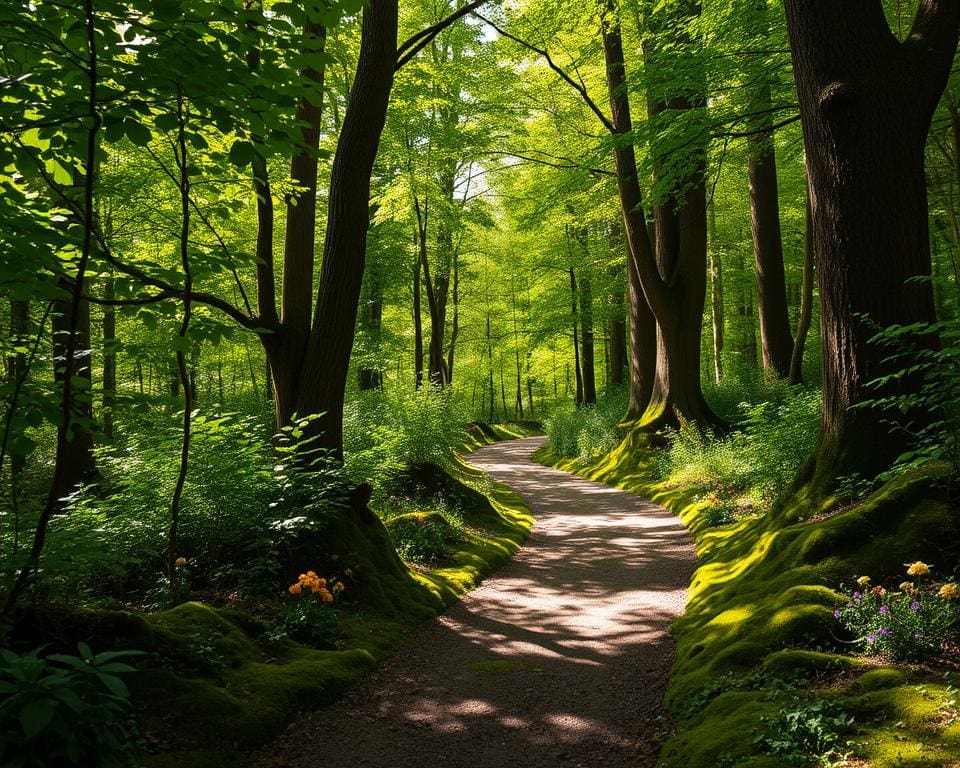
560,658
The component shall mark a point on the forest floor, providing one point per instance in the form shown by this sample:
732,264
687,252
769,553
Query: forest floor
561,658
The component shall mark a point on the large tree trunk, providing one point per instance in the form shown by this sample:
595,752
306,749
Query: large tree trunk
324,376
673,279
643,347
866,102
287,355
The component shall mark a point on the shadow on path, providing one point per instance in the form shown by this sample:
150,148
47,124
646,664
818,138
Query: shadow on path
560,658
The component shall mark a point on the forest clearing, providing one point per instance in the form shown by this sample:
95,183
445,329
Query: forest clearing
474,382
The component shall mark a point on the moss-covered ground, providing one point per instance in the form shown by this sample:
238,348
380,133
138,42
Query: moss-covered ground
218,683
759,645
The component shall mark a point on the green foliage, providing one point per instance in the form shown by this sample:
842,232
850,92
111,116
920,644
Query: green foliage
310,622
809,733
384,434
763,454
934,408
911,623
588,431
423,538
65,710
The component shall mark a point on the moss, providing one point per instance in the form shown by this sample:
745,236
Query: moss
762,600
497,667
212,688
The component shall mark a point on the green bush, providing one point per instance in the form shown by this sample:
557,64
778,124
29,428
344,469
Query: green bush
762,454
64,710
588,431
310,622
386,433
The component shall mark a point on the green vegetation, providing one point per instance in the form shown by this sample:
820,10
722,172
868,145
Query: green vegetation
269,268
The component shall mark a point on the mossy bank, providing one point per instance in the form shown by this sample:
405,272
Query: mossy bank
761,677
218,683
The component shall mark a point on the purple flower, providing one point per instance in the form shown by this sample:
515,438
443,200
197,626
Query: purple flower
871,639
837,614
884,632
914,606
857,595
919,635
884,610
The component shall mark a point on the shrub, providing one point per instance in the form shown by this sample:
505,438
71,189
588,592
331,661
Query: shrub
65,710
763,454
310,618
588,431
807,734
386,433
423,537
911,623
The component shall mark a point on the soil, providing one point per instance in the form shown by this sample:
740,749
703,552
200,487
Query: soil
560,658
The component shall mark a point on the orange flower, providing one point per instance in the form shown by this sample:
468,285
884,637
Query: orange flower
326,596
294,589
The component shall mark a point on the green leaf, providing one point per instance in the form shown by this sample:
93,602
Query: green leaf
242,153
36,716
138,133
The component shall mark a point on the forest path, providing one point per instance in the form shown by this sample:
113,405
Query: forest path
560,658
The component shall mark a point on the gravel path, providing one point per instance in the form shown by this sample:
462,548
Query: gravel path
560,658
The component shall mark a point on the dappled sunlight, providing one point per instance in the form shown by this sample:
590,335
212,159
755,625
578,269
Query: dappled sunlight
566,648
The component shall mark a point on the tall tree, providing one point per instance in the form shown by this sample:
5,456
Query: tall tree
866,102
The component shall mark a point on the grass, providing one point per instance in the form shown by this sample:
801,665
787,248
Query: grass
758,642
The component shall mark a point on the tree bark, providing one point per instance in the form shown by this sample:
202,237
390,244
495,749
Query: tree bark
417,327
776,342
325,369
296,300
578,371
806,300
866,103
109,358
716,300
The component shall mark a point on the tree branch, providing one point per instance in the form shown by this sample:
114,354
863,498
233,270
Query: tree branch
422,39
559,70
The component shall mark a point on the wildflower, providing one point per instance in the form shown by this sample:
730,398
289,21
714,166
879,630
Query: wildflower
180,562
326,596
837,614
295,589
917,569
884,632
348,572
863,581
878,590
914,606
871,639
857,595
908,588
949,591
919,635
338,587
884,610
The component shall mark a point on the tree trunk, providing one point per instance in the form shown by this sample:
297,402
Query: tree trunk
673,279
17,371
776,343
806,300
372,319
716,299
417,327
109,358
866,102
326,366
78,461
455,326
578,371
490,370
289,356
586,334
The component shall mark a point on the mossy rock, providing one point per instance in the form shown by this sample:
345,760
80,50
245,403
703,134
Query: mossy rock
877,680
